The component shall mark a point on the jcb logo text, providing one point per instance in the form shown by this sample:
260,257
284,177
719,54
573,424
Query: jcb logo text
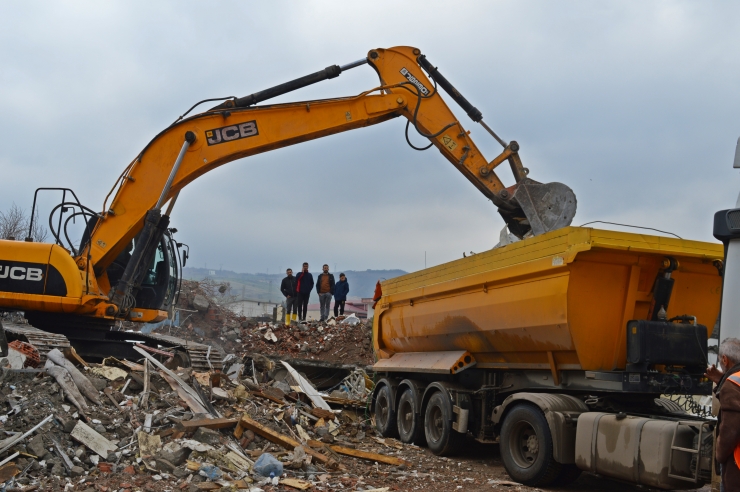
230,133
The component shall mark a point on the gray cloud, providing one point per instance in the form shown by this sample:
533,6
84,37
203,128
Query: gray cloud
633,104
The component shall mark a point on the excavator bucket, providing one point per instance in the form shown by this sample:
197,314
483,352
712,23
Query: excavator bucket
539,207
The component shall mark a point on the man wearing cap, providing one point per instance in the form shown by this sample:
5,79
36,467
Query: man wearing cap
727,378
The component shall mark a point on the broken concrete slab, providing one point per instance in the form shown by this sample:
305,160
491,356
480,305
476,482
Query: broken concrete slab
207,436
92,439
201,303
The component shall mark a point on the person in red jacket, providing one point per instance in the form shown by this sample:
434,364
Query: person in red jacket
304,285
727,378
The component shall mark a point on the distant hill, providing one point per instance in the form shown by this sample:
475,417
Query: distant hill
266,287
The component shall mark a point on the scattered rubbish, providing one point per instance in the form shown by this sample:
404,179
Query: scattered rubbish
306,388
267,466
211,472
138,423
148,445
110,373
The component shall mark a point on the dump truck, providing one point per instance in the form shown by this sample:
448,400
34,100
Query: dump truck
579,349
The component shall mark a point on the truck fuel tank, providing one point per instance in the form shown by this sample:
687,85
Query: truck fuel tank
666,454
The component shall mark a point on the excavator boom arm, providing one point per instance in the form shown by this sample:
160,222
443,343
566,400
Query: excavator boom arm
236,129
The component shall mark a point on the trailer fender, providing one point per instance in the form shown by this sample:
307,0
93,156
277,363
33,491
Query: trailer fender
561,413
459,398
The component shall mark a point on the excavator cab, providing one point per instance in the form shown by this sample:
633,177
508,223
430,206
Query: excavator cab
159,286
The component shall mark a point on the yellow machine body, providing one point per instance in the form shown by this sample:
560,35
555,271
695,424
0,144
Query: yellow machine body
559,301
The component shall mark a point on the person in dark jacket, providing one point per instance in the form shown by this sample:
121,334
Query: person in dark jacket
288,288
341,289
727,378
325,289
304,285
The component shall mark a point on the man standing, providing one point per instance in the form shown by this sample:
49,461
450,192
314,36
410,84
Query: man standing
727,378
304,285
325,289
288,288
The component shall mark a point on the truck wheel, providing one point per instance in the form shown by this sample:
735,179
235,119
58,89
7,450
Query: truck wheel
385,416
442,440
410,429
526,447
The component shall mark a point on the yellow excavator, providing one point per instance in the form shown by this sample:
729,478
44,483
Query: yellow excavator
126,265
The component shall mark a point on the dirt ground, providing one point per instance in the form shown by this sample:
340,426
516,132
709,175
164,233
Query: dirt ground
479,467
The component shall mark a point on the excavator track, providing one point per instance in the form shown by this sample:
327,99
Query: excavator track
201,357
42,340
94,344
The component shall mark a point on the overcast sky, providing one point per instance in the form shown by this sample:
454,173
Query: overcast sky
634,105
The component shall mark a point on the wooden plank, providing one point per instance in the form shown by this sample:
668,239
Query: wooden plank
356,453
165,432
283,440
221,423
323,414
296,484
268,397
208,486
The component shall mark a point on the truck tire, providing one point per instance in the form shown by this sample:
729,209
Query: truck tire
385,415
410,428
442,440
526,447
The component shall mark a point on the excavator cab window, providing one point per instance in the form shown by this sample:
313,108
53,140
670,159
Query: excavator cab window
160,282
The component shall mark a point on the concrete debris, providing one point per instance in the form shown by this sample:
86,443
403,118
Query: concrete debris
92,439
143,426
201,303
68,386
83,384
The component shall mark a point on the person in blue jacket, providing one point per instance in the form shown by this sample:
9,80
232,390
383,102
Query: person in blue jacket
304,285
341,289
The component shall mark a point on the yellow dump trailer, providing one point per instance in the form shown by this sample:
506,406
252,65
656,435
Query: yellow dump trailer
558,301
530,344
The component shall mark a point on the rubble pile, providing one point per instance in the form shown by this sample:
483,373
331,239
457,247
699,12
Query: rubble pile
147,427
203,319
332,341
